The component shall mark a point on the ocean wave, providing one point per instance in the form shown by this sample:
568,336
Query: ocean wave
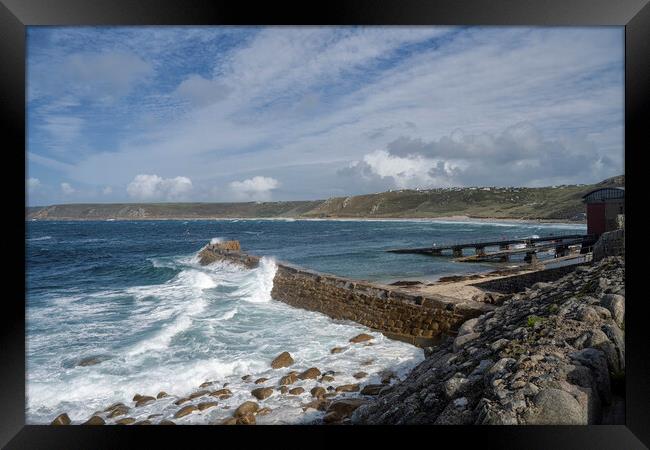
42,238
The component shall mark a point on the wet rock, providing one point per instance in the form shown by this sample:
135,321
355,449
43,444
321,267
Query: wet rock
162,394
310,374
348,388
166,422
361,338
90,361
95,420
289,378
245,408
360,375
229,421
61,419
284,359
296,391
136,397
145,399
262,393
246,419
555,407
143,422
247,377
283,389
206,405
318,392
118,410
221,393
206,384
261,380
372,389
319,404
264,411
342,409
326,379
180,401
198,394
184,411
125,421
336,350
387,376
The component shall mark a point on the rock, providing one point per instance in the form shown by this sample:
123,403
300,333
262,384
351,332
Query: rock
221,393
296,391
318,392
348,388
555,407
125,421
143,422
615,303
162,394
310,374
332,417
368,362
180,401
246,377
166,422
144,400
262,393
319,404
372,389
153,416
337,350
283,389
467,326
206,384
326,379
185,410
136,397
90,361
206,405
229,421
588,315
498,344
246,419
460,341
264,411
386,376
456,385
94,420
284,359
198,394
261,380
61,419
118,410
361,338
360,375
289,378
345,407
245,408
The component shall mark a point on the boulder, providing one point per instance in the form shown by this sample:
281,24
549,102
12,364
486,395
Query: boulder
460,341
284,359
206,405
320,404
61,419
247,377
326,379
198,394
118,410
246,419
125,421
245,408
372,389
467,326
143,422
615,303
136,397
221,393
90,361
261,380
310,374
318,391
166,422
361,338
262,393
95,420
348,388
555,407
184,411
229,421
144,400
345,407
180,401
296,391
264,411
336,350
283,389
360,375
206,384
162,394
289,378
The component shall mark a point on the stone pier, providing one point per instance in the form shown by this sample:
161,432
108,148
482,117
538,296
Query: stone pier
398,314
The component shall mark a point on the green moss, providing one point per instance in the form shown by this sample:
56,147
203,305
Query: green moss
553,308
532,320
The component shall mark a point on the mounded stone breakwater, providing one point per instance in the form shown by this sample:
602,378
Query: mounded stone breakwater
418,319
553,354
519,282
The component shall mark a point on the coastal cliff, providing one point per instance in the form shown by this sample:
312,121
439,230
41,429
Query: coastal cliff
553,354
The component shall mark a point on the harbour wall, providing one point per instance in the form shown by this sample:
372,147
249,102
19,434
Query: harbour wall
419,320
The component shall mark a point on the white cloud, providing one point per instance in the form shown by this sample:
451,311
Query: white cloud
33,184
256,188
201,91
153,187
67,189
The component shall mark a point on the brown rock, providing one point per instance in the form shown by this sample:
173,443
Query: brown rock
144,400
143,422
94,420
284,359
205,405
261,380
136,397
283,389
185,410
326,379
125,421
118,410
262,393
152,416
360,375
229,421
361,338
372,389
245,408
61,419
289,378
162,394
346,407
332,417
337,350
206,384
264,411
166,422
318,391
113,406
310,374
180,401
198,394
296,391
221,393
246,419
348,388
319,404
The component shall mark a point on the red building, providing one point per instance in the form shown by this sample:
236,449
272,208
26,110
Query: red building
604,206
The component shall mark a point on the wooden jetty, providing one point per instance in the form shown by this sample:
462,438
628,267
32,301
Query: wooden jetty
560,243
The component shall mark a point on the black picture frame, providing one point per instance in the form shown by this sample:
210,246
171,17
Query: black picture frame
16,15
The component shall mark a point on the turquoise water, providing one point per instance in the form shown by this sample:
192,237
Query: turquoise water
132,294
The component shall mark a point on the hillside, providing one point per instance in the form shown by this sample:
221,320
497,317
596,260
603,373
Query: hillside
546,203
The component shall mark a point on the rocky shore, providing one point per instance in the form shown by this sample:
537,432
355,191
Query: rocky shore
553,354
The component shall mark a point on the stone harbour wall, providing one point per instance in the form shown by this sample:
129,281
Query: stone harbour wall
419,320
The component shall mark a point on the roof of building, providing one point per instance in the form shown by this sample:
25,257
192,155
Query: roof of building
605,193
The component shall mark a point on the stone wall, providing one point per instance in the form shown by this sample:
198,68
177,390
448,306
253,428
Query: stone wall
611,243
517,283
419,320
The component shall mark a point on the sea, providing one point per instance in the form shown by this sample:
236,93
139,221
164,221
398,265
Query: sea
131,297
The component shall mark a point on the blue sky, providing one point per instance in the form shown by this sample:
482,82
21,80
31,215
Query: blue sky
289,113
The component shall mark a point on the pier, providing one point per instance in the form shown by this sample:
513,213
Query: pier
531,246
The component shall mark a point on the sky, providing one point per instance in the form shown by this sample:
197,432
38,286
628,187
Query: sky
213,114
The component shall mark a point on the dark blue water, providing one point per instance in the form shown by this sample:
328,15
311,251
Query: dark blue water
132,294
